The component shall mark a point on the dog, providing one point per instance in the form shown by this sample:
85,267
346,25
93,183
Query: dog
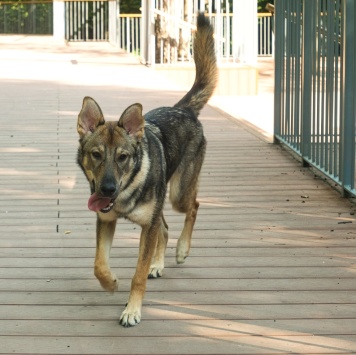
129,163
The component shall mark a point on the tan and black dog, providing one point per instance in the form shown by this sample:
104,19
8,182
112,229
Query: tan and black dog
128,164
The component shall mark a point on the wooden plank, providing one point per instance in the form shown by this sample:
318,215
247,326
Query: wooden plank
229,262
201,239
205,212
175,271
265,221
280,251
157,311
191,284
101,298
176,328
182,345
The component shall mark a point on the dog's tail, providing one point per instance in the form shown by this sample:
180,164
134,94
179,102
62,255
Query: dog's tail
206,76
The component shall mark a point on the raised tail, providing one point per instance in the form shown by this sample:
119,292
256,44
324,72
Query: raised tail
206,76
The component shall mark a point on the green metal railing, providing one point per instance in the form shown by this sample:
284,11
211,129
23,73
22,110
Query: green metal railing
315,84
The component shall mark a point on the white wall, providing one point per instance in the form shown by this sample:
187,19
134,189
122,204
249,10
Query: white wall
245,31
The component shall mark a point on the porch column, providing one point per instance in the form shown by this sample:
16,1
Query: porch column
245,31
114,22
148,40
58,20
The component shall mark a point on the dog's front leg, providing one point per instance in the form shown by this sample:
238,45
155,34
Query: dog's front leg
148,241
104,236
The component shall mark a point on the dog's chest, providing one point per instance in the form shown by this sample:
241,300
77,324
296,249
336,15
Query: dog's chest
142,213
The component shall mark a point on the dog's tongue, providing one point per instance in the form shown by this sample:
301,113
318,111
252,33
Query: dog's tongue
97,203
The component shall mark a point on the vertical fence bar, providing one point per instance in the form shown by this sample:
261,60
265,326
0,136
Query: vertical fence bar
102,15
132,29
279,39
127,34
94,19
314,134
294,122
323,90
122,32
227,34
317,79
348,97
337,89
297,61
287,83
80,20
329,82
137,38
73,21
307,47
86,21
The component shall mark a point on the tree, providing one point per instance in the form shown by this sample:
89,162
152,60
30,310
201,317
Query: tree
261,5
130,6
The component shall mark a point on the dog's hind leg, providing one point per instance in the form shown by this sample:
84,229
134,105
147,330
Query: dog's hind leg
157,265
183,194
184,241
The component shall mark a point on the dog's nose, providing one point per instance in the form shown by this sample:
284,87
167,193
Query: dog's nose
108,188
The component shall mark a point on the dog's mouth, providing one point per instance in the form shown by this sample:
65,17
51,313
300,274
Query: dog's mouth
98,203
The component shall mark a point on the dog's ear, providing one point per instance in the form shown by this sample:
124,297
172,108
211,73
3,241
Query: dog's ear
132,121
89,117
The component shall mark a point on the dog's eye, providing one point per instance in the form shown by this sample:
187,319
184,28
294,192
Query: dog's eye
122,158
96,155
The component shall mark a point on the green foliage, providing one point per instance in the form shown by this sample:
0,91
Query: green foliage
24,17
130,6
261,5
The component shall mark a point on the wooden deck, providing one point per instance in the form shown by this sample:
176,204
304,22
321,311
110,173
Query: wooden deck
273,262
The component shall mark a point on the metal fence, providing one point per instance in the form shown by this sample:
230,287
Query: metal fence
87,20
94,20
130,30
265,35
315,84
35,17
130,33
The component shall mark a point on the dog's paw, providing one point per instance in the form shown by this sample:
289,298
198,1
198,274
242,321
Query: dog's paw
109,283
180,258
156,270
129,318
182,251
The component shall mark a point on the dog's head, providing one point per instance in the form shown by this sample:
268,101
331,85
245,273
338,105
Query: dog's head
107,151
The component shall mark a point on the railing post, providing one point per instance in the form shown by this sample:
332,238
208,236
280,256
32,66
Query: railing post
279,38
58,20
114,22
245,31
348,99
144,32
148,42
307,65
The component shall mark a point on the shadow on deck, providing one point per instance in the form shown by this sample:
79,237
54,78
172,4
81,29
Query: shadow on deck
272,266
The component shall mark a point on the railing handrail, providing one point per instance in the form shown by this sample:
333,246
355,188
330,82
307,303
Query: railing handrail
130,40
259,14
